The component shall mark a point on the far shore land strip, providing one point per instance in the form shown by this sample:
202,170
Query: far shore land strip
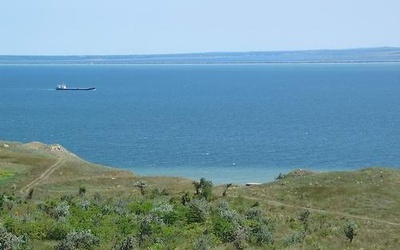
364,55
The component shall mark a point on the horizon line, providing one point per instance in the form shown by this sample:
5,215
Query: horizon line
200,53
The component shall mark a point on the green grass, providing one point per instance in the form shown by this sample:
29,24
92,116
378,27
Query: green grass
5,176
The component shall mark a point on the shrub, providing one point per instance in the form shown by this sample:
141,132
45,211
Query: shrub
303,216
225,212
84,204
185,199
97,198
203,188
203,243
30,194
106,209
296,237
67,197
2,199
82,191
146,229
350,230
254,213
10,241
141,185
120,208
57,231
262,235
198,211
227,225
224,229
35,229
126,244
239,238
165,212
61,211
142,207
78,240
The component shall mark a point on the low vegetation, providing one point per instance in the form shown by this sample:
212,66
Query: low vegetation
54,200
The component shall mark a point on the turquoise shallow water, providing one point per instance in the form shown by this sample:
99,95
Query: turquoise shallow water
228,123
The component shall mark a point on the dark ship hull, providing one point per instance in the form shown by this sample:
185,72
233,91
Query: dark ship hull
75,88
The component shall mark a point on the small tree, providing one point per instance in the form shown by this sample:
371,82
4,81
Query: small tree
226,189
185,199
82,191
203,188
30,194
197,187
142,186
280,176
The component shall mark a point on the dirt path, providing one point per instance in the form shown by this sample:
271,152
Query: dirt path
322,211
43,176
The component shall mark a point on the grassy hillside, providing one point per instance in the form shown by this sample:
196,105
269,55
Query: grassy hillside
52,199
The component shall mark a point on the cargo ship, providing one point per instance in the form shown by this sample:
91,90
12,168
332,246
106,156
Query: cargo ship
64,87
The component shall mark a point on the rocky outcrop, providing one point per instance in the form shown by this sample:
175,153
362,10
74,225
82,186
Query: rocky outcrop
53,149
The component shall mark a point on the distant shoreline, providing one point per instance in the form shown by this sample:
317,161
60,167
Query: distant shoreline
368,55
206,63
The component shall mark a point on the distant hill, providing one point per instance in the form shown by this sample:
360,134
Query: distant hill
365,55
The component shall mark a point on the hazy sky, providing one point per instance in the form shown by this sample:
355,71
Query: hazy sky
65,27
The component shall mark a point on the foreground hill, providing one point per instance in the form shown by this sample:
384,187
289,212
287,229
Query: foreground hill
52,169
52,199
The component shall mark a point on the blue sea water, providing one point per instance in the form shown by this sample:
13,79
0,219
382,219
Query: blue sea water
227,123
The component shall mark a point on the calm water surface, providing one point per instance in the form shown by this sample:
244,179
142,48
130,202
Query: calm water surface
228,123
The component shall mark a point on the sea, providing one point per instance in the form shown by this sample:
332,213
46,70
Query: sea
226,123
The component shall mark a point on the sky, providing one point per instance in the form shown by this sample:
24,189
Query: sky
128,27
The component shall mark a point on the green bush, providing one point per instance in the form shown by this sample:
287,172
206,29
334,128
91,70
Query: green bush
224,229
204,242
128,243
262,235
148,227
254,213
198,211
11,241
61,211
165,211
57,231
142,207
350,230
203,188
78,240
296,237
